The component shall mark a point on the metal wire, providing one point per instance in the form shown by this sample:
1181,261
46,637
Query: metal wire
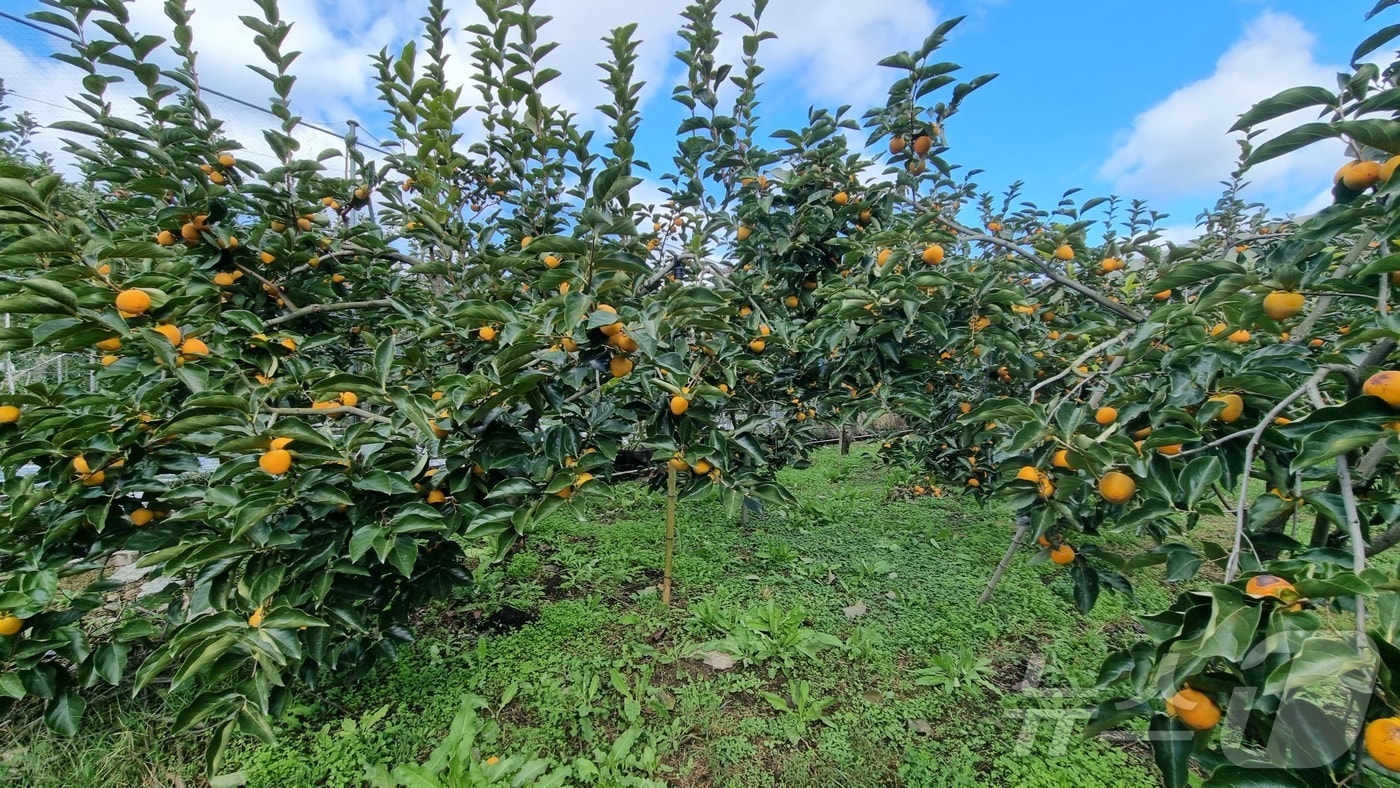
49,31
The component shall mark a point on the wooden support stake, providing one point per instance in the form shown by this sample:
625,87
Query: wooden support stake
1023,525
670,533
845,440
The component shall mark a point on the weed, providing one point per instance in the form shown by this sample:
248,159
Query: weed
797,709
951,672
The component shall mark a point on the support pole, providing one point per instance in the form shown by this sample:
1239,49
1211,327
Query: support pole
845,440
1023,525
670,533
9,366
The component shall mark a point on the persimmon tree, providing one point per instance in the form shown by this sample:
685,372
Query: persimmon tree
399,364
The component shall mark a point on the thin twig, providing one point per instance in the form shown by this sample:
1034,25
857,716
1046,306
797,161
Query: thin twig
1217,442
282,294
1358,541
1102,390
316,309
1320,308
1232,567
337,410
1078,361
1122,311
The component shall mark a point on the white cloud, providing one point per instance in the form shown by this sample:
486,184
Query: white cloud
335,80
579,29
828,49
1179,147
335,39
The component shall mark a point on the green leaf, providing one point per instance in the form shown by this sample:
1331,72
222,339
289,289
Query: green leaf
206,656
1171,749
1086,586
53,290
39,244
64,712
1290,100
384,482
1191,273
1335,439
384,360
1290,141
1374,41
1182,563
109,661
290,618
1326,663
1113,713
11,686
516,486
18,192
1377,133
1197,478
1341,584
253,722
556,244
1229,633
214,753
363,539
404,555
30,304
1115,666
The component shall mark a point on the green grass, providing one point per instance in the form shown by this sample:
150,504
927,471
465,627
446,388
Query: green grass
924,688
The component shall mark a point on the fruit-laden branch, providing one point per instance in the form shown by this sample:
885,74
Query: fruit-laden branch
352,250
1218,442
316,309
1085,356
1320,308
1232,567
282,294
1374,357
661,273
1122,311
722,274
339,409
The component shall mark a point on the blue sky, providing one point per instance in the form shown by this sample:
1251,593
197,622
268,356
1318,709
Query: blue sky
1116,97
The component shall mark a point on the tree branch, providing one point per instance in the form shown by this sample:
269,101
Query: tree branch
337,410
282,294
1218,442
1358,541
1320,308
1385,541
1023,524
1122,311
1107,343
1372,459
1099,393
316,309
1232,567
351,250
